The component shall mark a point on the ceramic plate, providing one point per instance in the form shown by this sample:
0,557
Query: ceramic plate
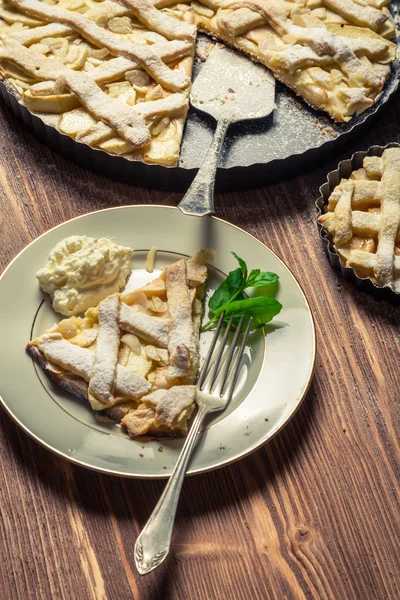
265,399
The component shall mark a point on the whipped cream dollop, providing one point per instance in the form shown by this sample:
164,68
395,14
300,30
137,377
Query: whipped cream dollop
81,271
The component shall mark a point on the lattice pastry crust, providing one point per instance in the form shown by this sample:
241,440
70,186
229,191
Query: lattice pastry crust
135,356
333,53
116,75
363,219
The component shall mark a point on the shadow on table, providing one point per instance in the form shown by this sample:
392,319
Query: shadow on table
135,498
130,501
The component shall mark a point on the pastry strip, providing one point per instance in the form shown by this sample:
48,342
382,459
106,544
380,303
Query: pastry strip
170,106
181,339
363,223
373,48
143,55
155,20
169,404
33,63
373,166
323,42
343,225
297,57
102,378
390,216
165,107
365,193
123,119
366,16
80,361
239,21
366,262
275,16
152,329
117,67
32,36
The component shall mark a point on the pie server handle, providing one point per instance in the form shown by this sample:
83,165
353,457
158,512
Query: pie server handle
199,199
152,545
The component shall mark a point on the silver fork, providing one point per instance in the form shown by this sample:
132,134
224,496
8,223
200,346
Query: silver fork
153,543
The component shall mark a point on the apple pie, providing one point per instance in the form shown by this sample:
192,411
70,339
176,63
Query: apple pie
135,356
116,75
363,220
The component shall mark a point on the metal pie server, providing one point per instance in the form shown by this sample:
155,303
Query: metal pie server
230,88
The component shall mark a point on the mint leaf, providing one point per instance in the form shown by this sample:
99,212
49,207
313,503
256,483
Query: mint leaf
242,264
252,277
230,297
232,286
261,309
258,278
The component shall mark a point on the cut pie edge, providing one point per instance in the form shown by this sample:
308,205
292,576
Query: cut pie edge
286,78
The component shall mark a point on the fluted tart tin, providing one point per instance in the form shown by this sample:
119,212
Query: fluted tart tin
343,171
292,140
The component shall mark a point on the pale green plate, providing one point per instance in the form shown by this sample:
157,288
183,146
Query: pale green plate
274,379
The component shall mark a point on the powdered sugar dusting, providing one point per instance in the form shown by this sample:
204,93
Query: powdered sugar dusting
181,339
106,354
152,329
80,361
169,404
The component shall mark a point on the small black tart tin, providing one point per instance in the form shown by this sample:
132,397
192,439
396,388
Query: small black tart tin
344,170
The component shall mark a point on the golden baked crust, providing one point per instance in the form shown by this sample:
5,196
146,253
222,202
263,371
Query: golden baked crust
135,356
333,53
116,76
113,76
363,219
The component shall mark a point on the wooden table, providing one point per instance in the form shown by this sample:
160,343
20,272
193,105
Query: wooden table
314,514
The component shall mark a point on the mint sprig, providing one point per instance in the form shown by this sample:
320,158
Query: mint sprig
230,297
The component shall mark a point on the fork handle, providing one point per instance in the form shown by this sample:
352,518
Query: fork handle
199,199
152,545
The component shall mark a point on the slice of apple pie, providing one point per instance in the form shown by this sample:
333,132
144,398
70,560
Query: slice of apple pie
135,356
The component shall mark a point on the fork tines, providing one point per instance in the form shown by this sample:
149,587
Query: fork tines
231,366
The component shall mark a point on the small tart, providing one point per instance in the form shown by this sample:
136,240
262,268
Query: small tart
135,356
362,220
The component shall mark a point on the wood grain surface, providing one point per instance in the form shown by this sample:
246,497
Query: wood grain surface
314,514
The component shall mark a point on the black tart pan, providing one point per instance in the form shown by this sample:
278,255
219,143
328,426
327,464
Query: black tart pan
292,140
344,170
